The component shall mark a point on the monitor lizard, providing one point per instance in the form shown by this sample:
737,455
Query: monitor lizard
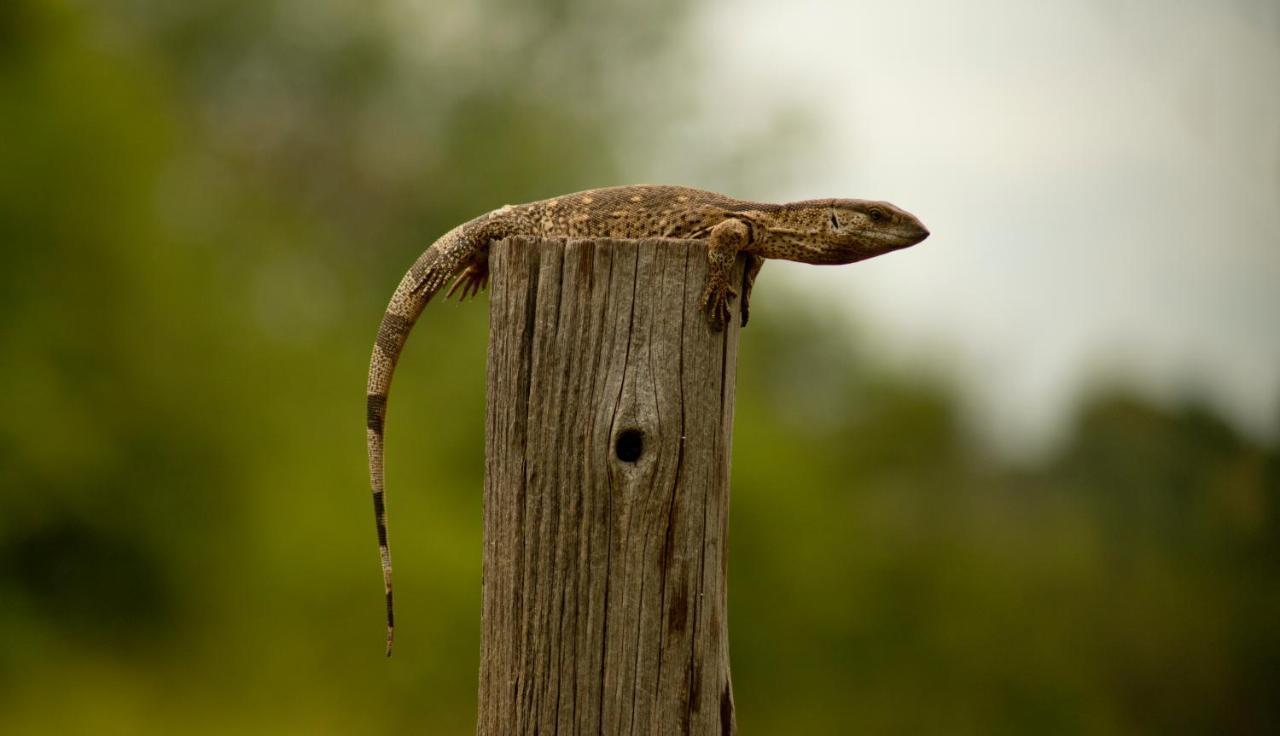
819,231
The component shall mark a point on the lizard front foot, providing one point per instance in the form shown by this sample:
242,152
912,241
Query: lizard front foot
715,302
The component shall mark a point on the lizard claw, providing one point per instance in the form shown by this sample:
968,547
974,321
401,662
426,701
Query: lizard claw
472,280
715,302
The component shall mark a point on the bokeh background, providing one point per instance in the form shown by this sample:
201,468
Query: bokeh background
1023,478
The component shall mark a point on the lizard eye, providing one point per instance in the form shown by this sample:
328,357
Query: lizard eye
876,214
835,221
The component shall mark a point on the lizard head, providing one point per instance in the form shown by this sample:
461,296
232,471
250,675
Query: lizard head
846,230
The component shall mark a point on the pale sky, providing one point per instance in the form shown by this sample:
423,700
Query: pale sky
1102,180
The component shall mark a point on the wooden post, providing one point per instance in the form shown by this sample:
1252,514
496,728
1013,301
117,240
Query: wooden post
606,499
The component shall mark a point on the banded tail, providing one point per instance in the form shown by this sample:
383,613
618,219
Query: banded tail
428,274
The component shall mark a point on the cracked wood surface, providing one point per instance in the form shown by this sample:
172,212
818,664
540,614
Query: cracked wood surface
609,417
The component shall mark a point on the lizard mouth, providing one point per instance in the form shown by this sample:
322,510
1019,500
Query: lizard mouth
896,238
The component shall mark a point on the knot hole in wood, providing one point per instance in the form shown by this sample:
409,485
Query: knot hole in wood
630,445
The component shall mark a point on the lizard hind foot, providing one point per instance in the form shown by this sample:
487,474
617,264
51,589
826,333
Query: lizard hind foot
471,281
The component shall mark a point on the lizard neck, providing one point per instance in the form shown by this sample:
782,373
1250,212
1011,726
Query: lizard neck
789,234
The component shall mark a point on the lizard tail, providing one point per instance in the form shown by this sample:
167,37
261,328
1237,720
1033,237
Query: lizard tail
428,274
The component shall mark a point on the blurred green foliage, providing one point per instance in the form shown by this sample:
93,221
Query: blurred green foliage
204,205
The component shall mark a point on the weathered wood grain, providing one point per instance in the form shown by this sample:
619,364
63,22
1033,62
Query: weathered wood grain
609,414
